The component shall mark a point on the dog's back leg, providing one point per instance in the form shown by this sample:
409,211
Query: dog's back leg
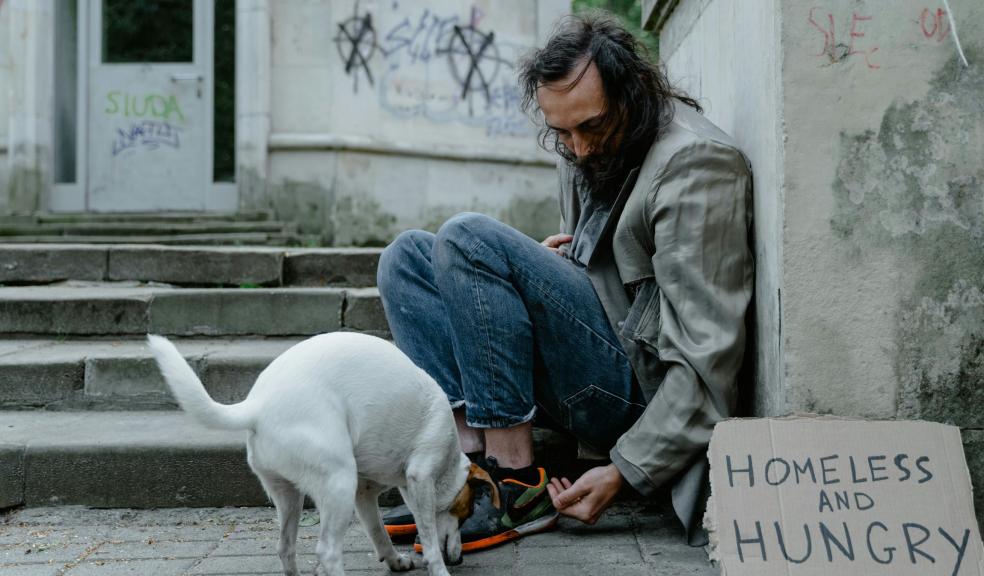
367,508
334,497
289,502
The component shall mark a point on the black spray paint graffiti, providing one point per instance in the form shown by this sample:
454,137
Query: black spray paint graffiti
420,41
474,58
475,51
356,43
446,68
149,134
472,54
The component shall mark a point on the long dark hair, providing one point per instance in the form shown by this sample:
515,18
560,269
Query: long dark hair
637,93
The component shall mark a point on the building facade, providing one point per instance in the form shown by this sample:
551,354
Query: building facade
354,118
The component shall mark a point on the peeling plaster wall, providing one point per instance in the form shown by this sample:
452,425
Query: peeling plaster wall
351,77
884,231
30,128
915,188
879,248
885,210
4,92
366,199
705,45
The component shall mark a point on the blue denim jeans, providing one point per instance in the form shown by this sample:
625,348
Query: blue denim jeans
507,327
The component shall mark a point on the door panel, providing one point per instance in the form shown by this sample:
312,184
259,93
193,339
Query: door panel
150,124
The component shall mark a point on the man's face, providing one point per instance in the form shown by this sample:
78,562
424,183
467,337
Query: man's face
576,113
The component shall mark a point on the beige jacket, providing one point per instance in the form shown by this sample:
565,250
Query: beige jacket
679,234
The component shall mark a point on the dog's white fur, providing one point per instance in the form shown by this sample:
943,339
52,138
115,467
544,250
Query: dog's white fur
341,417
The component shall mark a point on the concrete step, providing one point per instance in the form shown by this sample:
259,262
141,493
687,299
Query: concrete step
144,460
96,374
146,228
22,264
118,309
121,459
172,228
246,216
221,239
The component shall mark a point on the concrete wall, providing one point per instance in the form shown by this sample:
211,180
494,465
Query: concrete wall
357,198
29,59
372,115
885,210
883,301
881,201
5,64
702,45
421,122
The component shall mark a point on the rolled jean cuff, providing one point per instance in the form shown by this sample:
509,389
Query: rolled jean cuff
455,404
497,421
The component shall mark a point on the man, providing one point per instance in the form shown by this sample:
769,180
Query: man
626,329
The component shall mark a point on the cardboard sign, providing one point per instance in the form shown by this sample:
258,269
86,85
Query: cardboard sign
816,495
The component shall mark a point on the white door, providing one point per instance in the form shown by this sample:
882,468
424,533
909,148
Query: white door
150,105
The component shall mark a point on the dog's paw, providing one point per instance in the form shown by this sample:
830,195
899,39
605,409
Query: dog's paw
400,563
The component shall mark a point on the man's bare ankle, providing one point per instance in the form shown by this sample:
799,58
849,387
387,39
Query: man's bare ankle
506,460
470,439
512,447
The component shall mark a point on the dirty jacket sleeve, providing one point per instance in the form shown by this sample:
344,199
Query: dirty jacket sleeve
698,209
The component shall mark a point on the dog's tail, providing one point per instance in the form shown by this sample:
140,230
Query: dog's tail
190,392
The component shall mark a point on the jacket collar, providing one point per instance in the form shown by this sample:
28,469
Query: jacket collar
613,216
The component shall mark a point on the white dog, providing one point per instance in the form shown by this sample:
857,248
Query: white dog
341,417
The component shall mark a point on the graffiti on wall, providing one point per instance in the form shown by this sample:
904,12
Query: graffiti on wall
356,43
935,25
473,50
158,112
851,38
442,67
837,51
160,106
148,135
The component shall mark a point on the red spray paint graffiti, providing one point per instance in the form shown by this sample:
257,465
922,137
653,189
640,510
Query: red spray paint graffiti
838,51
934,24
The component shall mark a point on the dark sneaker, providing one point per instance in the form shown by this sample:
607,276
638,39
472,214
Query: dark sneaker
399,522
523,509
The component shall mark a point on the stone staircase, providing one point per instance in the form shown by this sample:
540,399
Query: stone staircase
178,228
85,417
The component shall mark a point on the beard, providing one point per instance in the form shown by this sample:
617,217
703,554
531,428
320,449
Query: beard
600,174
604,173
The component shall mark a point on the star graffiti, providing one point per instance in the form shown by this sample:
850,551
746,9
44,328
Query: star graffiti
356,43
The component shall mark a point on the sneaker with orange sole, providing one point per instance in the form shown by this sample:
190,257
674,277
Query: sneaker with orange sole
510,511
399,522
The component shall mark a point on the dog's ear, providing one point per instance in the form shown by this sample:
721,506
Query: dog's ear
477,475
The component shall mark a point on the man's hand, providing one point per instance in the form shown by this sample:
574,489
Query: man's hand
589,497
554,242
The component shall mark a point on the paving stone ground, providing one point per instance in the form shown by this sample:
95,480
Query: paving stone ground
630,540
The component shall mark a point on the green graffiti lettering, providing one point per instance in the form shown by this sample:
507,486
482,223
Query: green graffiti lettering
113,106
133,106
165,107
158,111
171,106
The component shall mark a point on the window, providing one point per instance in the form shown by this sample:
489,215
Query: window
148,31
66,90
224,146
